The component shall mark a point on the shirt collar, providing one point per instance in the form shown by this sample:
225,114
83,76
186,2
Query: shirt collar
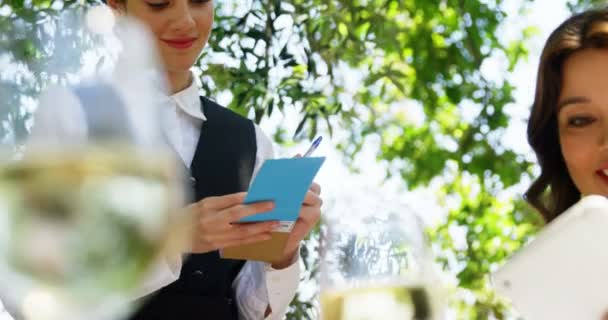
189,101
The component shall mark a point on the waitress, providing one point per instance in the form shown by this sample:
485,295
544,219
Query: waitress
222,150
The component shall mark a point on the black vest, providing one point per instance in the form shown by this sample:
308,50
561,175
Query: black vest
223,164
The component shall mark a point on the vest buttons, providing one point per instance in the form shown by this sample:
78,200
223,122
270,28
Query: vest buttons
198,274
196,282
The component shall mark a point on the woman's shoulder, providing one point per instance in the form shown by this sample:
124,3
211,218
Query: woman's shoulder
229,117
214,110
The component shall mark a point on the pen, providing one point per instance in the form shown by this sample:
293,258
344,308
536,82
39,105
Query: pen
313,146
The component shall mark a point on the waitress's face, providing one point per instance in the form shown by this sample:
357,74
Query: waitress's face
181,27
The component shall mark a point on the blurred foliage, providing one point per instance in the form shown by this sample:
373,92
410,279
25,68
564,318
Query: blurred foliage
31,35
579,5
406,73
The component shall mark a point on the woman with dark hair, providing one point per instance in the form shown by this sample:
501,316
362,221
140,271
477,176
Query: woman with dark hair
568,125
222,151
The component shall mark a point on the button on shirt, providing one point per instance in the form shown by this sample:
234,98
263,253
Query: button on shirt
258,284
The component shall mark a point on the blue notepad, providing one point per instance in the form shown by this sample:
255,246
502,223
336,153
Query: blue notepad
284,181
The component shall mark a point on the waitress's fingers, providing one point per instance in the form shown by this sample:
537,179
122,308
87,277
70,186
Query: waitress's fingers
312,199
316,188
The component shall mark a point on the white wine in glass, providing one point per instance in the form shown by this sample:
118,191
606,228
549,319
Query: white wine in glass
83,226
377,266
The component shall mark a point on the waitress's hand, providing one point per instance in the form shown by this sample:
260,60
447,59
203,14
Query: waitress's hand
310,213
215,227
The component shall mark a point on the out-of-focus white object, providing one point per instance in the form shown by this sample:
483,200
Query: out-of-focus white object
4,315
85,213
127,65
563,273
100,20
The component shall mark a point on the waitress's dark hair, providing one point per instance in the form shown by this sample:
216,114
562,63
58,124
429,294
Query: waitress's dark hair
554,191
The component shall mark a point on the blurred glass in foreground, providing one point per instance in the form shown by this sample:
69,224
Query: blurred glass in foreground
376,265
86,207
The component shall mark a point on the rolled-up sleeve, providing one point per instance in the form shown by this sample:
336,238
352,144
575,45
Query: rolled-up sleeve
282,286
259,286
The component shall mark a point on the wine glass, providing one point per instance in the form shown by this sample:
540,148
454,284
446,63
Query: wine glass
376,264
87,204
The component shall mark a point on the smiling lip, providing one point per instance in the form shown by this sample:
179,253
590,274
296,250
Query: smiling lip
183,43
602,175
